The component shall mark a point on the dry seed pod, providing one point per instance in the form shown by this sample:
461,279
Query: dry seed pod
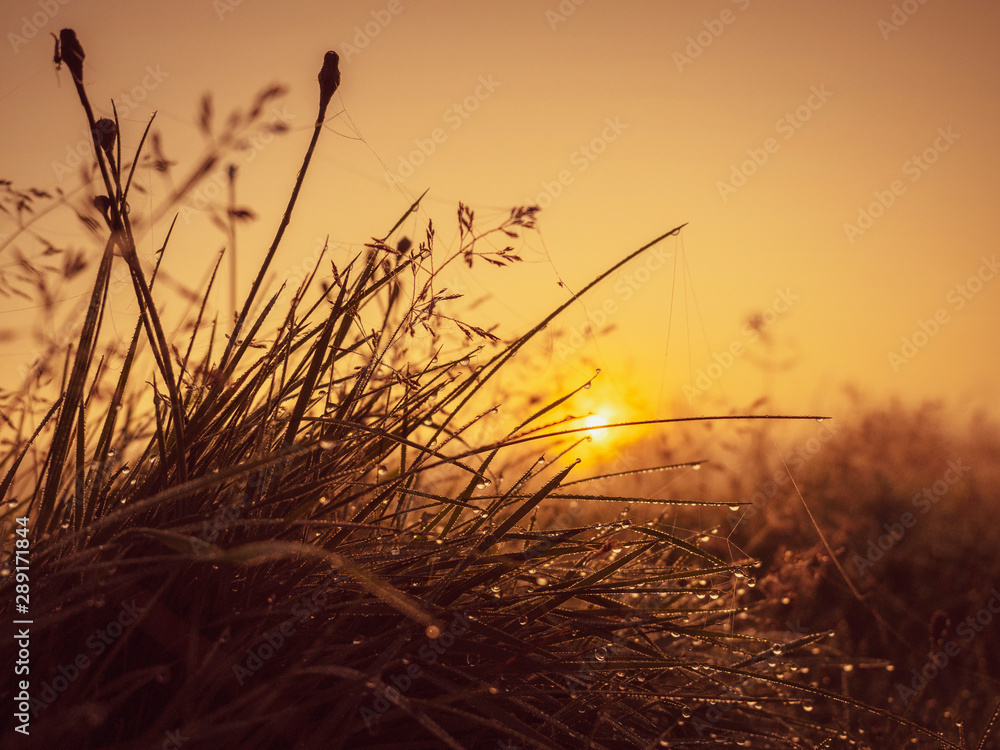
106,132
71,53
329,78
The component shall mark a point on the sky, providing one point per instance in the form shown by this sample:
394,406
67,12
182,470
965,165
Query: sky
834,163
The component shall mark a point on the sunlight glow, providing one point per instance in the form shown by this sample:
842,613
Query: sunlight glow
597,420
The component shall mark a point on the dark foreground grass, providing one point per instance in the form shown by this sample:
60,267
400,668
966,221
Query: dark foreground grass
290,540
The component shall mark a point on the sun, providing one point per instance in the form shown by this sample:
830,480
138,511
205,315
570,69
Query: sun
594,420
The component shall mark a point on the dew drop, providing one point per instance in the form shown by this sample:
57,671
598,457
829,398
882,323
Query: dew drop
326,444
686,712
394,551
432,631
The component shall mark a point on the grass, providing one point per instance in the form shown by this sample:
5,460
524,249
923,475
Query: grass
286,535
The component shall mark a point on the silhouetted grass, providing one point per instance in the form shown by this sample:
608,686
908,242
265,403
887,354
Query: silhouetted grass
291,539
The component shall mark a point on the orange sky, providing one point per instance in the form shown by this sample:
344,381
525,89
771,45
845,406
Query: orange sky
836,163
